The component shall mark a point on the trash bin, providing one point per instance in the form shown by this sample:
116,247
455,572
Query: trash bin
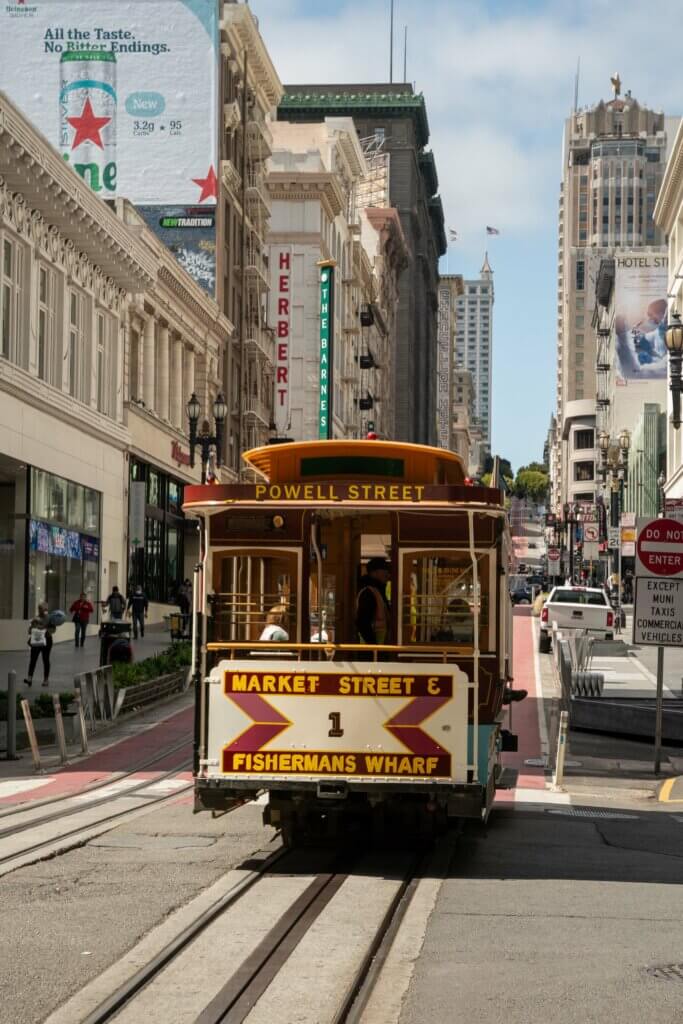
175,621
115,642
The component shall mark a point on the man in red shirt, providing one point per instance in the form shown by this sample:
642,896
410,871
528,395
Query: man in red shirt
81,611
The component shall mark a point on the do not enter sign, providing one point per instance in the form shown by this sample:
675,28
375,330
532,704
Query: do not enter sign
659,548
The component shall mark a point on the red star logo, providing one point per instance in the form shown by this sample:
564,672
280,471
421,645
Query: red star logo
88,127
208,185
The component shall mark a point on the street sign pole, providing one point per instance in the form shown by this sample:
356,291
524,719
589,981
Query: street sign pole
659,708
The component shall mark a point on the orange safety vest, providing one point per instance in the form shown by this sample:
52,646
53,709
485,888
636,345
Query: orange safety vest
380,622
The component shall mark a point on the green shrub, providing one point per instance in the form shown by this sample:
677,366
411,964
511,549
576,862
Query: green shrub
175,657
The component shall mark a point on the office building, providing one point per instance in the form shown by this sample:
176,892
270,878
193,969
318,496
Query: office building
396,118
614,154
474,351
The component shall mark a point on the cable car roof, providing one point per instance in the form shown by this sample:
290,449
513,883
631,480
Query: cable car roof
296,461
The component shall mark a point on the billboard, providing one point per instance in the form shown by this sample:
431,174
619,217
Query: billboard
640,317
190,233
126,91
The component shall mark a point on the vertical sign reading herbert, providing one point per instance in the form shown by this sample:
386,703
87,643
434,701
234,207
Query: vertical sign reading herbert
326,353
443,379
280,319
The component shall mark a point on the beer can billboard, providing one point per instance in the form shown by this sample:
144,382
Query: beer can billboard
127,92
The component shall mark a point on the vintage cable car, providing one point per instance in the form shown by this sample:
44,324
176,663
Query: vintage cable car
291,698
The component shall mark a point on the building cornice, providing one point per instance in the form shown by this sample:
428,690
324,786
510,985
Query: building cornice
670,191
30,166
241,28
33,392
302,186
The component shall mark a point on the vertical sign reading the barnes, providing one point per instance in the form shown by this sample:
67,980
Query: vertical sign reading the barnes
326,314
280,317
443,380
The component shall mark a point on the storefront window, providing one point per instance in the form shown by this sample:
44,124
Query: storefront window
64,544
159,568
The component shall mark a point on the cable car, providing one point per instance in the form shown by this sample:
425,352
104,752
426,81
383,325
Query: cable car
342,715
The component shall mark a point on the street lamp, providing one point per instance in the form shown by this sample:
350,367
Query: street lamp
674,344
661,480
603,442
205,440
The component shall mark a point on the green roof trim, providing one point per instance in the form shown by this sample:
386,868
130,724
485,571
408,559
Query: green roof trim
298,104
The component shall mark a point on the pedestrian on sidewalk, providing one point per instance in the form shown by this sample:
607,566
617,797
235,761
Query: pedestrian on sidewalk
40,633
81,610
185,602
137,606
116,603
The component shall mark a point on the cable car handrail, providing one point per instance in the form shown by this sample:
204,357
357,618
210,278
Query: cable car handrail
277,646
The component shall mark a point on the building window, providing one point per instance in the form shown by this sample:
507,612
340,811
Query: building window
134,367
107,364
579,358
579,340
79,353
583,471
579,320
13,323
584,439
159,568
49,354
580,275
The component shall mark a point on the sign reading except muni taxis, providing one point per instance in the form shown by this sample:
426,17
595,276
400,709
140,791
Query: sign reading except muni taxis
326,351
658,612
268,718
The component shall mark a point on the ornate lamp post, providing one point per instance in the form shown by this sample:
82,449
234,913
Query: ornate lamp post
674,344
205,440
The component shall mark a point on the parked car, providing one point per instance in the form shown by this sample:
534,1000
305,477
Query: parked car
576,608
521,594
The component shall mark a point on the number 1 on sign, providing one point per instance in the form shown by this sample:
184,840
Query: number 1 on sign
336,730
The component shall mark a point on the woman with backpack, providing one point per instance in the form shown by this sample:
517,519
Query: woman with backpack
40,633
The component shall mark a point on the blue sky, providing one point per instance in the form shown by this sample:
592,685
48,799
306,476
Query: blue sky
498,79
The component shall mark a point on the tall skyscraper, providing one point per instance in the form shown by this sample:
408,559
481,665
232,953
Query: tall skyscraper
614,156
395,117
473,349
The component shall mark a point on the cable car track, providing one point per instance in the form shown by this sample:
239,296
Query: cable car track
260,967
88,830
29,806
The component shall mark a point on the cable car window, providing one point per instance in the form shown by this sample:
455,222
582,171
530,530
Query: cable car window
439,596
251,591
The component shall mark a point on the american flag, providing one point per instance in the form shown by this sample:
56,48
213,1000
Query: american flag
492,231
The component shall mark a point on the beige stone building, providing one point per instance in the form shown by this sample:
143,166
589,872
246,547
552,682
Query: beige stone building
102,336
250,93
614,155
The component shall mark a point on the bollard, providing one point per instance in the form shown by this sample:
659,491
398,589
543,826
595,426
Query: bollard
558,777
59,727
35,753
12,717
81,723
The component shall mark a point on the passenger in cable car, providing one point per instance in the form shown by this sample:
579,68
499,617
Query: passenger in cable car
373,611
275,625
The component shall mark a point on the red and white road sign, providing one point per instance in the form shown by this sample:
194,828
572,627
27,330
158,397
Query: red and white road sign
553,554
659,548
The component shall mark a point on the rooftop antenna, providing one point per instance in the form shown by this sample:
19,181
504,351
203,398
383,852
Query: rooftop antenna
391,40
576,84
405,53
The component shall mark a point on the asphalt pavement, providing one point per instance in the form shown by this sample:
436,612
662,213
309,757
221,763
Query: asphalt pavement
550,916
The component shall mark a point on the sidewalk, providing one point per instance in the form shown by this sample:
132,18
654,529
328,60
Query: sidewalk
67,660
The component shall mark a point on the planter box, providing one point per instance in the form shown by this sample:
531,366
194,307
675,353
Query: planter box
138,696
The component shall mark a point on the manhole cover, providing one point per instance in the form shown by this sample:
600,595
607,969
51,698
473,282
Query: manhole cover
666,972
588,812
